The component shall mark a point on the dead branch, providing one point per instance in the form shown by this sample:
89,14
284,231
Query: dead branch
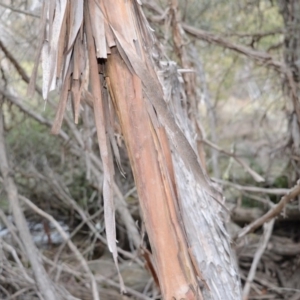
61,194
19,103
268,228
273,212
99,279
70,243
254,174
42,279
255,35
14,254
253,189
259,56
12,230
283,246
20,11
121,203
18,67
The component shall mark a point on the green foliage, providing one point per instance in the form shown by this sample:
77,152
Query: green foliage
30,141
248,202
4,204
81,189
281,182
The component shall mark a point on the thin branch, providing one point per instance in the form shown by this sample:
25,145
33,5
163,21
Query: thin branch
70,243
253,189
42,279
18,67
18,102
255,175
273,212
20,11
268,228
262,57
61,194
255,35
17,260
12,230
259,56
99,278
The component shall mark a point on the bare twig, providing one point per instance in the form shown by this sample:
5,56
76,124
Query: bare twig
19,103
70,243
272,213
268,228
255,175
65,197
255,35
20,11
253,189
17,260
99,278
258,56
19,293
18,67
12,230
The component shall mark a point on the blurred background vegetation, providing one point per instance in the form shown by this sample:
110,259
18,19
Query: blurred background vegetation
245,109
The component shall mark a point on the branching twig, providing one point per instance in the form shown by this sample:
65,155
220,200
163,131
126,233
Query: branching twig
258,56
268,228
70,243
272,213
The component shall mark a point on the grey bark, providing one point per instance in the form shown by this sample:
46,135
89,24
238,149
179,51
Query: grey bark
290,11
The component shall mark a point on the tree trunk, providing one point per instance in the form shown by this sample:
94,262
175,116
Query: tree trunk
181,207
290,11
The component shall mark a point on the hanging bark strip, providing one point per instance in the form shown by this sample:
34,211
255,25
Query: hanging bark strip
179,203
105,151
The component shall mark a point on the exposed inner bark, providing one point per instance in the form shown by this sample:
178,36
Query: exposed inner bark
154,187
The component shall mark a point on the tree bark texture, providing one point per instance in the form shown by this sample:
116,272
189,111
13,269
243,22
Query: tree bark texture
180,205
290,11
